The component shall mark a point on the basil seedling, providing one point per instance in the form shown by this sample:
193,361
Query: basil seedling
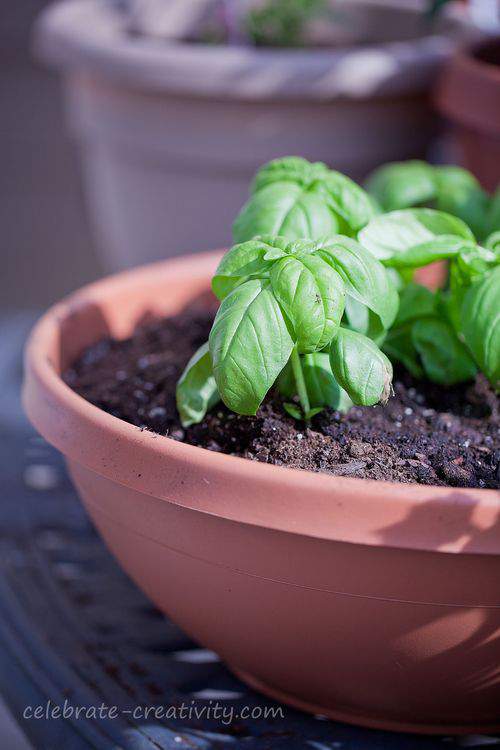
279,322
294,198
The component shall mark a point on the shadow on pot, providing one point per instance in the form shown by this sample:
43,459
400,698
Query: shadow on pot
457,643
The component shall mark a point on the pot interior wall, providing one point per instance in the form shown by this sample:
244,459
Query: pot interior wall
350,22
92,315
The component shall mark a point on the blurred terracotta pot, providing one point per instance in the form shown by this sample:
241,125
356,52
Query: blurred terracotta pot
432,276
469,94
370,602
170,128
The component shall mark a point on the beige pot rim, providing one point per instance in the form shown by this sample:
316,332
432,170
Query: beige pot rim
89,35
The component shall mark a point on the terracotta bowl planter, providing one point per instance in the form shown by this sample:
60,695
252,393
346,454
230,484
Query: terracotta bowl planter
469,94
370,602
165,124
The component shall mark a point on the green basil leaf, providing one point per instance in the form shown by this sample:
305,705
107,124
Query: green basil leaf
312,412
312,295
448,306
493,243
390,234
239,263
481,324
399,347
249,344
360,318
357,316
349,201
196,391
493,217
280,247
402,184
451,189
445,359
296,199
288,209
400,278
459,193
470,265
365,278
289,169
416,301
440,248
296,247
359,366
293,410
322,388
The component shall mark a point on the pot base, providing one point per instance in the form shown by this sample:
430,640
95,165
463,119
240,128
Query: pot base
371,722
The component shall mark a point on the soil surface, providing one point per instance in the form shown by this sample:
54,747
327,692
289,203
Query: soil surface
426,433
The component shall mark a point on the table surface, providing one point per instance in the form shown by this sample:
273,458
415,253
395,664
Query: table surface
74,628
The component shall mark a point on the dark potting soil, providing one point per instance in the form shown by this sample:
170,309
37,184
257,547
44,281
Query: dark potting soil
425,433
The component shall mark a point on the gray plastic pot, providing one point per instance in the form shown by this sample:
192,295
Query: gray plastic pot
171,132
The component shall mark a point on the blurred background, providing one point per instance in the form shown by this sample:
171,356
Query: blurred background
47,248
131,128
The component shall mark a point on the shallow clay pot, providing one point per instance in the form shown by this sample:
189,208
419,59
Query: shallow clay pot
469,94
370,602
167,127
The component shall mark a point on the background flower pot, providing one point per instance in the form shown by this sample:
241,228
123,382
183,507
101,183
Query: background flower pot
370,602
170,129
469,94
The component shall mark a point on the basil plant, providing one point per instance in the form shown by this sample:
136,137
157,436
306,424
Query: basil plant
449,334
281,324
446,188
294,198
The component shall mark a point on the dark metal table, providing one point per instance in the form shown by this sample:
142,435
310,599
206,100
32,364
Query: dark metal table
75,632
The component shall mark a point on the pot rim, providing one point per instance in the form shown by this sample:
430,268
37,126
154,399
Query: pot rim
88,35
96,439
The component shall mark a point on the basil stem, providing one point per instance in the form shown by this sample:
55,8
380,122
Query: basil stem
300,381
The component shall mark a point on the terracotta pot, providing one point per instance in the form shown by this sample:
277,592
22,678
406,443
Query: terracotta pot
165,125
432,276
469,94
370,602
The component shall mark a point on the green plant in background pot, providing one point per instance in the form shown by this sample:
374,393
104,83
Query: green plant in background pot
283,23
265,23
